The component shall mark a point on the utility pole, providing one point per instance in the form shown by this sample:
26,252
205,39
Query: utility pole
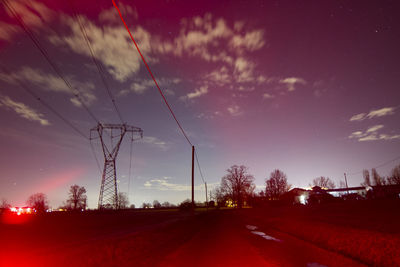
345,179
205,184
108,197
192,176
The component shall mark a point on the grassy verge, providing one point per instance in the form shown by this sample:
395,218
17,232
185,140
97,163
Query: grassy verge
368,232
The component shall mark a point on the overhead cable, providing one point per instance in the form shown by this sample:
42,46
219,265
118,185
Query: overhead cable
152,76
74,91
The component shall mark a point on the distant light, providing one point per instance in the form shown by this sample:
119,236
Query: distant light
303,199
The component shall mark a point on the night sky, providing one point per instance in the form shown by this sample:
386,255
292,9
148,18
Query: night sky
309,87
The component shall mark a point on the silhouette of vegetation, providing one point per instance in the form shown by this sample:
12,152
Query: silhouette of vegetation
123,201
146,205
156,204
237,185
395,175
132,206
367,180
276,185
77,198
323,182
185,205
4,204
38,201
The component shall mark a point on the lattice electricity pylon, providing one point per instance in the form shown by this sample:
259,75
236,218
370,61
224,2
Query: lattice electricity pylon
108,191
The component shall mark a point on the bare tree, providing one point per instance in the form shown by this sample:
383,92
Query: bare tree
218,196
4,204
76,197
238,184
156,204
378,180
38,201
323,182
367,180
276,185
123,201
395,175
146,205
166,204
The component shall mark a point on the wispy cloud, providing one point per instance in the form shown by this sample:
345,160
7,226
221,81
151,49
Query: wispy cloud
197,93
164,184
291,82
371,134
267,96
235,110
23,110
156,142
34,14
374,114
50,82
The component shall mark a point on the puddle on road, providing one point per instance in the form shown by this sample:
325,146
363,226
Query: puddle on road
265,236
251,227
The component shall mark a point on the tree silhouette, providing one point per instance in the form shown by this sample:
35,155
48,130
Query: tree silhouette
76,197
238,184
395,175
4,204
323,182
123,201
38,201
276,185
367,180
146,205
156,204
378,180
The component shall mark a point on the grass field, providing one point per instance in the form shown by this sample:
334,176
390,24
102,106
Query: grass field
366,231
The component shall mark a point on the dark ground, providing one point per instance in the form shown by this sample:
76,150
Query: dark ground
333,235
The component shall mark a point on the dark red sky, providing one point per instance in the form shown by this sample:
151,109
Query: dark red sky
310,88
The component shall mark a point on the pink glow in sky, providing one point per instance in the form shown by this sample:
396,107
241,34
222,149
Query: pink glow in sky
309,88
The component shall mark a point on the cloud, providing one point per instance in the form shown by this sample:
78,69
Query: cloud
374,128
219,76
291,82
267,96
235,110
23,110
381,112
374,113
156,142
250,41
197,93
111,45
140,86
111,16
358,117
34,14
50,82
371,134
164,184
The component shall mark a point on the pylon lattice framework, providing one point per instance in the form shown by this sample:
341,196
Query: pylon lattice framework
108,197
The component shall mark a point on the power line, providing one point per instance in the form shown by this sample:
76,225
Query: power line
130,166
198,165
98,65
378,166
152,76
74,91
44,103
